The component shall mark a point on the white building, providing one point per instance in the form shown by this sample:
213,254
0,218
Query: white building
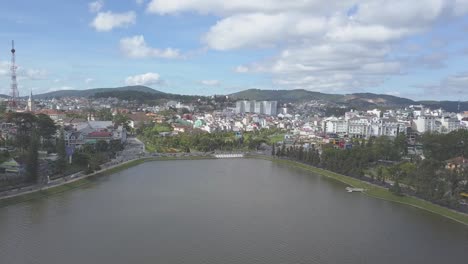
386,127
335,125
271,108
359,127
425,124
31,107
449,124
260,107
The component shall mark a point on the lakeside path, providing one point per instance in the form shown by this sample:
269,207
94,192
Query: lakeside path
370,189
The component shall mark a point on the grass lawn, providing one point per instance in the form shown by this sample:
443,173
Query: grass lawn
276,138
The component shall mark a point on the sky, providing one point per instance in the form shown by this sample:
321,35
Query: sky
414,49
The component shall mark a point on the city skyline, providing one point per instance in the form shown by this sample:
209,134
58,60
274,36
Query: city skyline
413,50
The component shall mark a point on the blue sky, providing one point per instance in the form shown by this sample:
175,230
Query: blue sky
415,49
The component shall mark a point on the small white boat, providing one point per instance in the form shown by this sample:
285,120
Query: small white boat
350,189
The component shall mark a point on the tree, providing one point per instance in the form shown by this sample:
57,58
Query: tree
32,165
61,152
380,174
283,150
273,150
45,126
104,114
122,120
102,146
25,122
401,144
396,189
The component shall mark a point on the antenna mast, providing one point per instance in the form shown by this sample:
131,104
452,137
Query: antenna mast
14,94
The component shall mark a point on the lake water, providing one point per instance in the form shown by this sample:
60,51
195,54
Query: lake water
223,211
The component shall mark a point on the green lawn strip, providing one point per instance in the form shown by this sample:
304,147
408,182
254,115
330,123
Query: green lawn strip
276,138
377,191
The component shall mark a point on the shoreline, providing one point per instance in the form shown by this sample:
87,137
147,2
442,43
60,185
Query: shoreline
376,191
77,182
370,189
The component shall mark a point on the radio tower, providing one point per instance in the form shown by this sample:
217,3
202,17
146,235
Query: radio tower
13,103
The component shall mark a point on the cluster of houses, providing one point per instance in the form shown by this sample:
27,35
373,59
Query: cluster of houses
79,132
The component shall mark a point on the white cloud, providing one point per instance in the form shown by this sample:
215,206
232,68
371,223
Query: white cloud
241,69
323,45
23,73
210,82
61,88
139,2
453,85
89,80
220,7
246,30
4,68
95,6
144,79
136,47
106,21
421,13
33,74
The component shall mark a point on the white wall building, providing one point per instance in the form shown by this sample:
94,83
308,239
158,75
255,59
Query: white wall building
449,124
359,127
425,124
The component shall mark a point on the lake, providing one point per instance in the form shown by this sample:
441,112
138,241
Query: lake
223,211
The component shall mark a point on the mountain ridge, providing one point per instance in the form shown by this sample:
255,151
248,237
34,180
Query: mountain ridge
354,100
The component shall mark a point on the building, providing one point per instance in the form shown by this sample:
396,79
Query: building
334,125
241,107
386,127
138,119
94,137
31,107
425,124
271,108
11,166
359,127
260,107
449,124
55,115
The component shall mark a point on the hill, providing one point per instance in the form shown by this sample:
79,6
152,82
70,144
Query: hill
93,92
285,96
368,100
451,106
144,97
364,100
355,100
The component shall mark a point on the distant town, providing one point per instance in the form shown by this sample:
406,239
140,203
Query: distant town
410,148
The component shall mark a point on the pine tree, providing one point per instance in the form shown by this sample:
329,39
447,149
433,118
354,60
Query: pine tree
396,189
62,155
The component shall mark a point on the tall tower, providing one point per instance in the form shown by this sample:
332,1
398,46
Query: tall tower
13,103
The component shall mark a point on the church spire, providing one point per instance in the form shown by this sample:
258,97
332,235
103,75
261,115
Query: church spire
31,106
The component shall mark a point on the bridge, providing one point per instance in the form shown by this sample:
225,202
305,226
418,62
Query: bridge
228,156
